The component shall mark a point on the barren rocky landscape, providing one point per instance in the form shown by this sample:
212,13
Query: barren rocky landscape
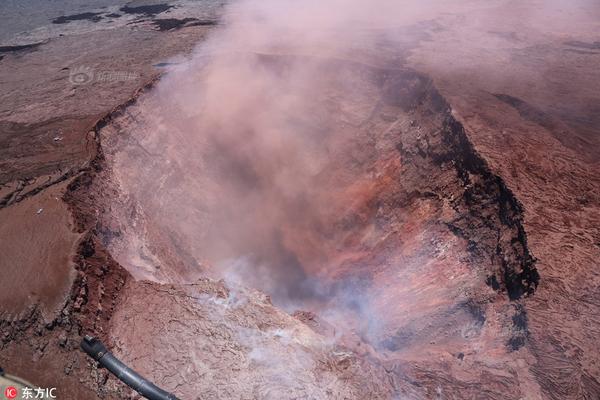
267,200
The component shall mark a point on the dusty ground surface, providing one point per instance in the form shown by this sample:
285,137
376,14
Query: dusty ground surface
464,205
53,95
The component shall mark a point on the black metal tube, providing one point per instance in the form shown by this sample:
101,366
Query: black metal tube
95,349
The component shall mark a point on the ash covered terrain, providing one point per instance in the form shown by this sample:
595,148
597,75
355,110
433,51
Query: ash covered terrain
281,200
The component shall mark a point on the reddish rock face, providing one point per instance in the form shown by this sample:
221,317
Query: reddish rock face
359,224
416,218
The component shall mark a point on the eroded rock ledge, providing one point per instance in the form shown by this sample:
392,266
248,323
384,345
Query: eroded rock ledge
490,216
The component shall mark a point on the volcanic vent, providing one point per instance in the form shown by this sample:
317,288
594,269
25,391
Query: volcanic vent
340,188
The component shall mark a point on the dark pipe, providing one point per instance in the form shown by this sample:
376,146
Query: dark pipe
95,349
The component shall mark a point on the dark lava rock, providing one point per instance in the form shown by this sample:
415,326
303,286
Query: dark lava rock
90,16
8,49
149,10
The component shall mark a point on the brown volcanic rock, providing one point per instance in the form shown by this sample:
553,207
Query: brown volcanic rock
529,104
209,341
49,246
57,279
558,191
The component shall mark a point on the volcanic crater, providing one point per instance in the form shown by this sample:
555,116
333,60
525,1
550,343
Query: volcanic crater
388,199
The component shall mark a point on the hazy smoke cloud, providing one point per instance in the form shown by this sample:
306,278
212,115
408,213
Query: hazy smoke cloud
253,123
245,158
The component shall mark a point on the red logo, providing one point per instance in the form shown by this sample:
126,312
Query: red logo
10,392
